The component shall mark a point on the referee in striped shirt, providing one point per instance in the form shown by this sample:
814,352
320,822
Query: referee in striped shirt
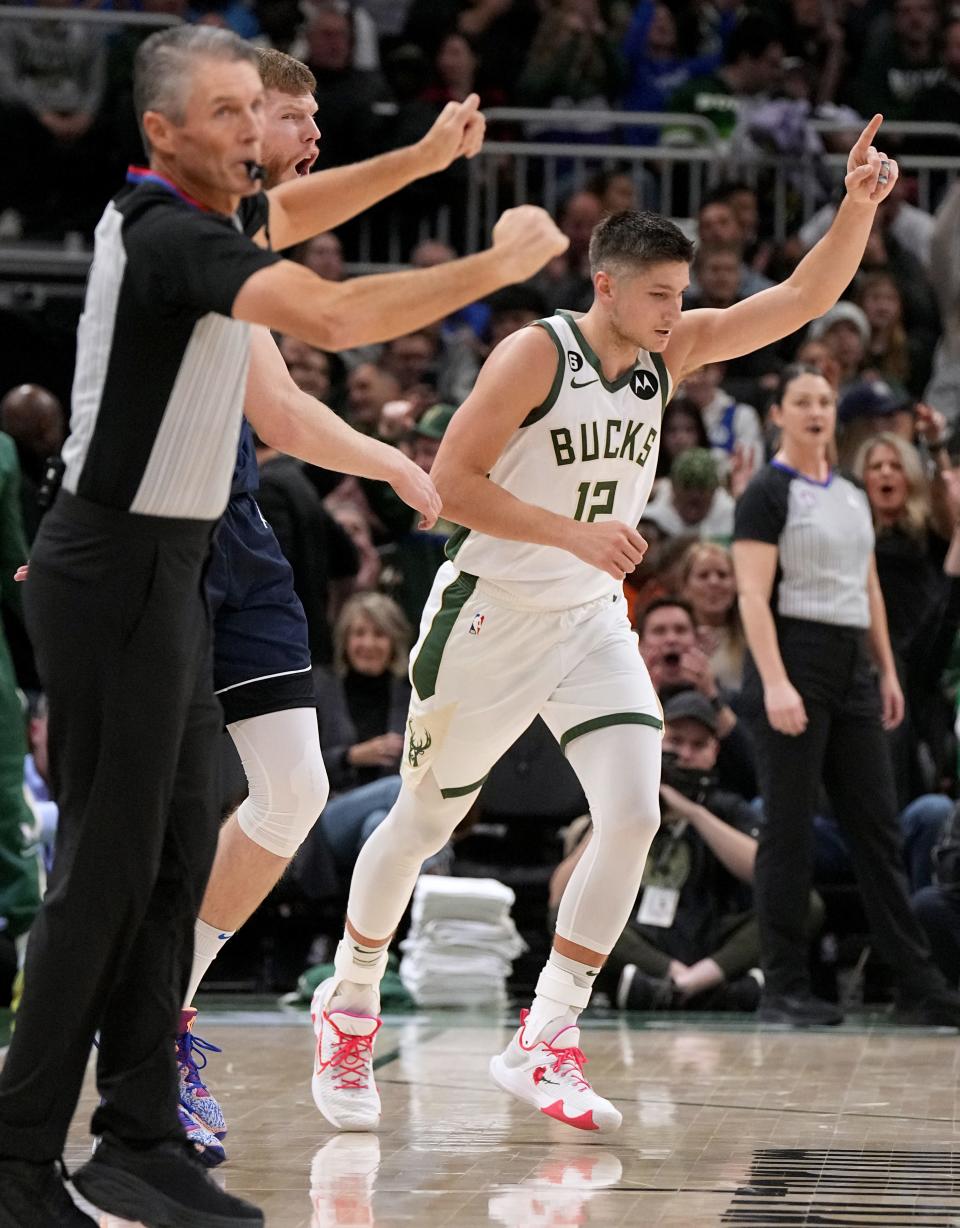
820,687
116,607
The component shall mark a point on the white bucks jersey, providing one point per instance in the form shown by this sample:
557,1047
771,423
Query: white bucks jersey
588,452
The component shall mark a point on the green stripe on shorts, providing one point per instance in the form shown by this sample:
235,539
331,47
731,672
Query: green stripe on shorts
611,718
463,790
427,665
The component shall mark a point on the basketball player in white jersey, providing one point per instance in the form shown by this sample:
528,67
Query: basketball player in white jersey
548,466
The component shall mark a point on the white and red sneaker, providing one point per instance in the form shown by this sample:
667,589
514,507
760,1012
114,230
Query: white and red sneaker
549,1075
344,1089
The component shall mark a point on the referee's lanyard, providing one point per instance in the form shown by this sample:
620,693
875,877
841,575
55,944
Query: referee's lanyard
142,174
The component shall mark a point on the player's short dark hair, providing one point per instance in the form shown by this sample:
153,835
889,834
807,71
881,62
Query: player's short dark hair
664,603
634,238
163,62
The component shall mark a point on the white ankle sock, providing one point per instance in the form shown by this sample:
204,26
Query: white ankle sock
360,995
208,942
549,1013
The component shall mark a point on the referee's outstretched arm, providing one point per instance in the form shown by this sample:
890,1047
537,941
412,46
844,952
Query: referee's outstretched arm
340,315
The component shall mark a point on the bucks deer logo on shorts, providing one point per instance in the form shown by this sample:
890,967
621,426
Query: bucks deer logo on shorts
417,749
476,626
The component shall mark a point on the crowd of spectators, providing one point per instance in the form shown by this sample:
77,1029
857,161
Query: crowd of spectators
890,351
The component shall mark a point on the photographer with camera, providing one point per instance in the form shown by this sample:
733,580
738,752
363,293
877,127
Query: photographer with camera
693,938
676,662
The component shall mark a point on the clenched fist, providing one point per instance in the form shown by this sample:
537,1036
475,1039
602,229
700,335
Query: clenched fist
610,545
528,237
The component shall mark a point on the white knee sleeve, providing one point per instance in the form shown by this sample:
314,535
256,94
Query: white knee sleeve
418,826
620,773
288,782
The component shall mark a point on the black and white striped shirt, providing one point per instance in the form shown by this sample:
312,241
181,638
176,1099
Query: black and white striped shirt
161,367
824,535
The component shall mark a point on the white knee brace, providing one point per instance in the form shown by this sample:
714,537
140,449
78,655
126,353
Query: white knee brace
288,782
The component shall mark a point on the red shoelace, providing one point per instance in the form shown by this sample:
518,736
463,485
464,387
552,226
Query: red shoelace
352,1056
569,1062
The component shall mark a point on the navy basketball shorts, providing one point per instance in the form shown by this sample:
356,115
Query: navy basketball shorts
261,654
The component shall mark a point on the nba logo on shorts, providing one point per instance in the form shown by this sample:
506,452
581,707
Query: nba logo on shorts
476,625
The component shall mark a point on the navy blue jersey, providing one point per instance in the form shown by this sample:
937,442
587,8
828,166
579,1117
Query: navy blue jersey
246,475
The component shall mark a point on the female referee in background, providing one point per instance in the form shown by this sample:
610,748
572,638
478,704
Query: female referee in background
820,688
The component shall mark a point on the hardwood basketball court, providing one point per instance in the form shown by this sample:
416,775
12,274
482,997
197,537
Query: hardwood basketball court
724,1123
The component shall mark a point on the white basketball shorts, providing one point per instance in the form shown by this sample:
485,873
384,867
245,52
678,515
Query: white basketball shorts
484,667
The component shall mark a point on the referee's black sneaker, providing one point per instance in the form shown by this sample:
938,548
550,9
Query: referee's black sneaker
798,1011
162,1186
940,1008
33,1194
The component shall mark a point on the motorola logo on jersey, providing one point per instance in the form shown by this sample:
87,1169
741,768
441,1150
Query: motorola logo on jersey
644,385
576,362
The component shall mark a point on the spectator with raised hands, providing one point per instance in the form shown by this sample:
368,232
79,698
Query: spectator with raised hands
816,628
574,61
813,34
657,64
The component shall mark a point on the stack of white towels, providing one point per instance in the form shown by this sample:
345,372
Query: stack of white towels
462,942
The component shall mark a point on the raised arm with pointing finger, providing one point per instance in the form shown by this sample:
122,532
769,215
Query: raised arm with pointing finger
714,335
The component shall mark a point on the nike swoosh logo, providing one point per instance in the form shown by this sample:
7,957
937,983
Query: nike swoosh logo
585,384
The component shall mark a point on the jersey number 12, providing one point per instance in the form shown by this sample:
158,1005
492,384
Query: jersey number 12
604,494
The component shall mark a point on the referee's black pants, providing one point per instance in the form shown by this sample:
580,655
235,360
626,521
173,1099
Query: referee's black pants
117,613
844,749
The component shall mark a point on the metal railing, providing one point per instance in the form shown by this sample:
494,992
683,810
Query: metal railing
23,12
504,170
509,170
